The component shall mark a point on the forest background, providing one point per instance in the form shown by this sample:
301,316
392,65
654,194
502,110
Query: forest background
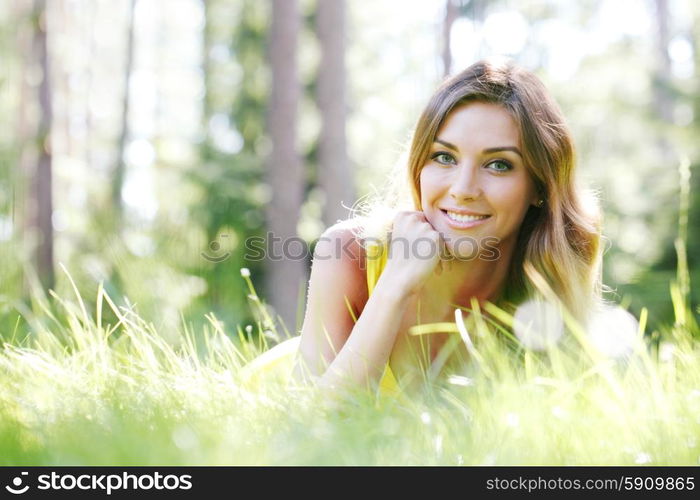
143,142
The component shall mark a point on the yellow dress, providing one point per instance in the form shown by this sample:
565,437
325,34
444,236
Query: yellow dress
277,363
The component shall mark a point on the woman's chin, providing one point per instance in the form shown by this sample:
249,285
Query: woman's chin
486,248
461,248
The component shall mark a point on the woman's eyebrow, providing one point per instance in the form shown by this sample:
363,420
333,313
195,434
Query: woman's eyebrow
447,144
486,151
504,148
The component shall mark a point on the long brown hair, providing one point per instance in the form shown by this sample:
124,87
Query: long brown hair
559,241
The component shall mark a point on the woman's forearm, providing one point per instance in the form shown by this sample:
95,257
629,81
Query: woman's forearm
364,355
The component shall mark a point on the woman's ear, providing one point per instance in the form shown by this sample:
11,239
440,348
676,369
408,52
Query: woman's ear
537,199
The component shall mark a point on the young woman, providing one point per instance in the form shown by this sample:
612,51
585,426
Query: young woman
493,210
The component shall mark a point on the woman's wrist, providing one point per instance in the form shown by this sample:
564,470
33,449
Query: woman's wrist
392,290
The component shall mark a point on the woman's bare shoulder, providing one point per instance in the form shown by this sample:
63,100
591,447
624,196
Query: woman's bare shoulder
341,246
349,232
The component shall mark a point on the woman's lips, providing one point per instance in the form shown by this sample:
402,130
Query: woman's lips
464,224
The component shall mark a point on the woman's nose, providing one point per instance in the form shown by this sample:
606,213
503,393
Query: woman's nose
465,184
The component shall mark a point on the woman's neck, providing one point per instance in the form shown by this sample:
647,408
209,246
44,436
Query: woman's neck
463,279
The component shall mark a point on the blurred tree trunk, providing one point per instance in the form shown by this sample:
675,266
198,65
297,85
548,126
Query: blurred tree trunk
206,68
40,196
663,95
15,160
285,274
335,177
663,99
24,40
451,15
119,166
695,44
61,86
89,78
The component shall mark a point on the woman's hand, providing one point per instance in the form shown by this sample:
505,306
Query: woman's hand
415,251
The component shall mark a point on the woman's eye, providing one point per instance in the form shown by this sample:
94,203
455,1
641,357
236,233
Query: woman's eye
444,158
500,166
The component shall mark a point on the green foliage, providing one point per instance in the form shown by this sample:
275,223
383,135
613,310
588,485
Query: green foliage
82,381
677,266
229,175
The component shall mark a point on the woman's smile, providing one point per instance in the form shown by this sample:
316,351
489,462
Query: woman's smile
459,220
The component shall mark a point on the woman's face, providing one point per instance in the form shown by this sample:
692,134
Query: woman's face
474,184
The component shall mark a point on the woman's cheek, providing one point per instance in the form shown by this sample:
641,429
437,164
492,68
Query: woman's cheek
428,190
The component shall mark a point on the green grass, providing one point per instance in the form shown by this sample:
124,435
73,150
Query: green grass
78,391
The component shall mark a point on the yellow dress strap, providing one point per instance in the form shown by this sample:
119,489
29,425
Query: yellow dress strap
375,263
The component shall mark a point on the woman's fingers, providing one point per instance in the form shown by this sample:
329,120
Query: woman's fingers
414,249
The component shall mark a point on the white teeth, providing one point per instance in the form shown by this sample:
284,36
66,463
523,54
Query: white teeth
464,218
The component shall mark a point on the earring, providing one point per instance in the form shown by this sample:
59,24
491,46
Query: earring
540,202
